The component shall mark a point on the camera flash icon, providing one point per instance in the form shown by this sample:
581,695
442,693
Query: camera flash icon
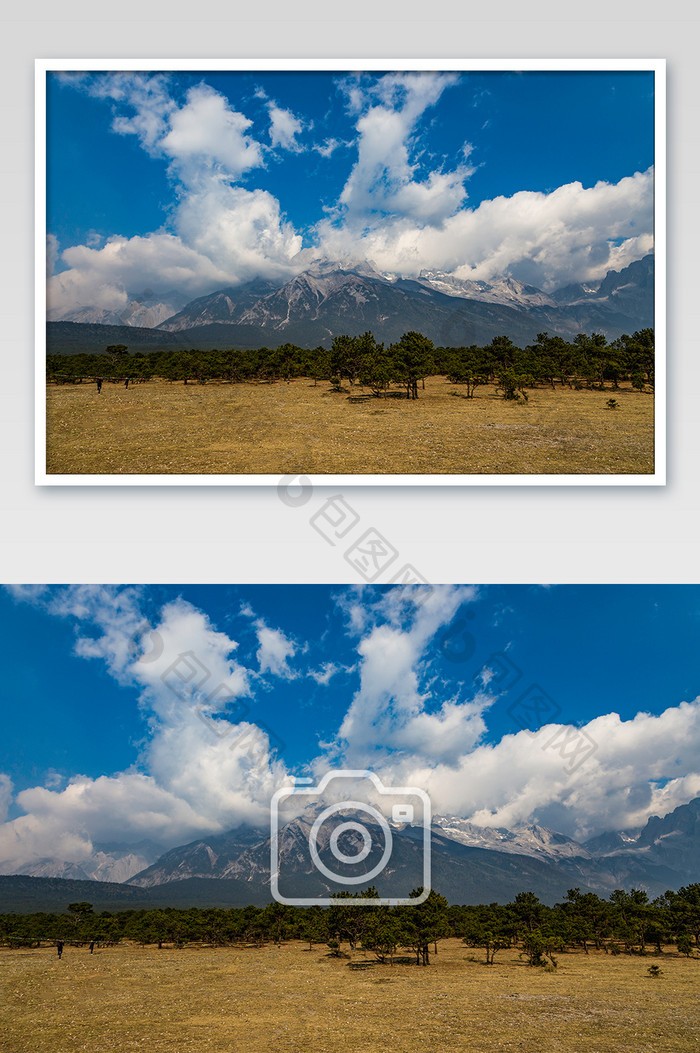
402,813
335,813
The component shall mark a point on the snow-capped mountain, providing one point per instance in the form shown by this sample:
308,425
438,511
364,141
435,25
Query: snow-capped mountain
536,841
664,854
312,296
227,306
463,873
327,299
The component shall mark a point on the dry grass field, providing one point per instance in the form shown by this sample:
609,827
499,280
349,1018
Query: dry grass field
293,1000
297,428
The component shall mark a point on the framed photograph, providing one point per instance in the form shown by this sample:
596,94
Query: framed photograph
434,272
255,817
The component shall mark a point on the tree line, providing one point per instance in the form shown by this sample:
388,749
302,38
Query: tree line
626,923
588,361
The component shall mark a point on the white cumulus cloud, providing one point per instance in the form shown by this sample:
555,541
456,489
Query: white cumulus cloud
383,181
205,764
394,708
222,233
571,234
284,128
274,651
5,795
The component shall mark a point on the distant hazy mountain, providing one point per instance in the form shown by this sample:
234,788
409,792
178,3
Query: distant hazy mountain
25,894
144,309
328,299
70,338
108,863
664,854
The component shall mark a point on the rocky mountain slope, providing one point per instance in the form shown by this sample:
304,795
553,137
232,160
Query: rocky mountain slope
665,854
463,873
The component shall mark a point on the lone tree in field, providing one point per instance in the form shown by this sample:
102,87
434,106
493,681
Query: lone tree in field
347,357
512,385
350,921
503,351
80,913
683,908
527,911
684,942
276,918
377,370
413,360
490,942
424,923
539,949
116,353
383,934
313,927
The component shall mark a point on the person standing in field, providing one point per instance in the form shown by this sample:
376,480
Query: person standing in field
99,385
92,946
59,947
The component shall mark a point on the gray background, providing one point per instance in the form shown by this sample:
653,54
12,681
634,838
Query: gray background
247,534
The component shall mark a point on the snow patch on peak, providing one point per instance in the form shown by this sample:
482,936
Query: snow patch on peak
507,291
533,840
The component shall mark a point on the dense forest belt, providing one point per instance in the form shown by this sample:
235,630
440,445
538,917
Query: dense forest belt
626,922
587,361
312,427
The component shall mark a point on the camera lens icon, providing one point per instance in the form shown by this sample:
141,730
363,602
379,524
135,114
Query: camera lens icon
345,828
341,834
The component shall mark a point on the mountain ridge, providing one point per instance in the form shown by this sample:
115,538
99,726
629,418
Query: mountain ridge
325,301
232,869
656,858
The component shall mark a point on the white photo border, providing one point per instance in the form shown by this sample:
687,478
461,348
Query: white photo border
657,66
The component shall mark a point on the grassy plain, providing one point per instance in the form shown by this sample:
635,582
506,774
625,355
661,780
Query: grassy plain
298,428
292,1000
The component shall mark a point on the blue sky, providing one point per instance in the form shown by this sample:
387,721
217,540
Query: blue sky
102,742
185,182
